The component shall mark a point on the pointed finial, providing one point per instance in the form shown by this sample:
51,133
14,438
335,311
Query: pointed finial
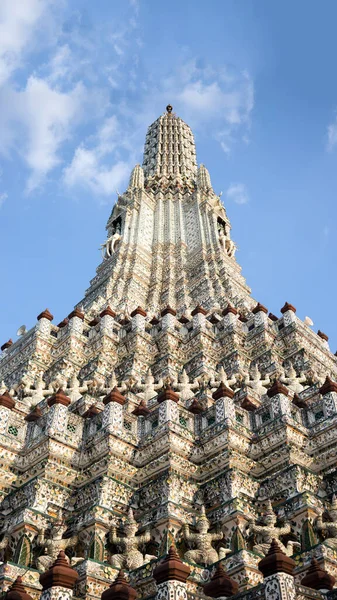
276,561
317,578
221,585
60,574
17,591
171,568
169,108
119,588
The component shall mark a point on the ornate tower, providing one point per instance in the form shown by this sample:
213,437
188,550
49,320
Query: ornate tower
169,415
168,235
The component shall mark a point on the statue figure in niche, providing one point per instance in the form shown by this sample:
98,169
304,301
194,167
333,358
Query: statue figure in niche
131,558
5,546
110,245
329,528
55,543
204,553
226,243
268,531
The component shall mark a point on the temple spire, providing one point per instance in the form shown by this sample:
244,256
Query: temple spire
170,150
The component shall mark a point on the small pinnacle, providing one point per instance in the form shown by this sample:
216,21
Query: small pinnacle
169,108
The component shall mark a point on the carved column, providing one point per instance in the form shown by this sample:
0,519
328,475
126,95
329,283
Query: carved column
113,411
58,413
280,403
230,316
6,405
141,411
329,393
44,322
59,581
277,569
168,410
224,403
76,319
288,311
169,318
107,320
199,317
260,313
171,575
138,319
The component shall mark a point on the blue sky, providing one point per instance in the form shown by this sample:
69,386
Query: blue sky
80,81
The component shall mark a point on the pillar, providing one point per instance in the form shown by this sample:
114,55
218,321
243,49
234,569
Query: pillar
6,406
288,311
141,412
260,313
230,315
329,393
224,403
138,319
277,570
113,411
58,414
169,318
170,576
59,581
107,320
199,317
280,403
76,319
44,322
324,338
168,410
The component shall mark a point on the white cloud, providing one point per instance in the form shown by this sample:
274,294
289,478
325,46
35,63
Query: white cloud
18,22
3,198
87,171
217,101
60,64
238,193
36,121
87,98
98,166
332,134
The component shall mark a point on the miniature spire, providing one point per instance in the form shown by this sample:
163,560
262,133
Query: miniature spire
169,151
221,585
204,180
17,591
7,400
276,561
317,578
114,396
60,574
136,178
120,589
171,568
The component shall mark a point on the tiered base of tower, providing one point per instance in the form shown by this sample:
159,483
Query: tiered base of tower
166,416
